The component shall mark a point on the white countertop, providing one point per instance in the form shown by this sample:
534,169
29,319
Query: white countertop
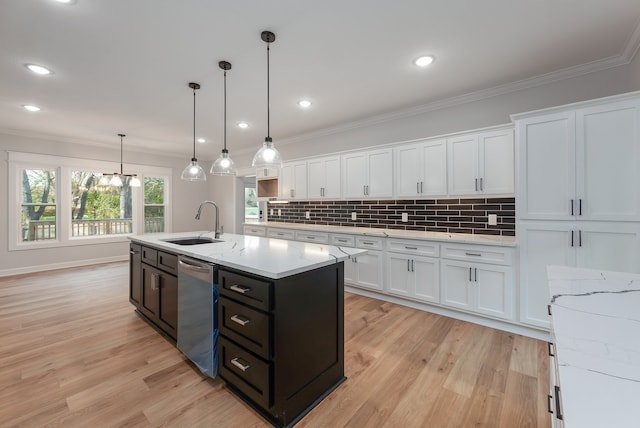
463,238
272,258
596,326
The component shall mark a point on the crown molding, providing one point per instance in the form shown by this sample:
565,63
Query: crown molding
633,45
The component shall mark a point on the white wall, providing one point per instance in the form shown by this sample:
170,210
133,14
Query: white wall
462,117
186,198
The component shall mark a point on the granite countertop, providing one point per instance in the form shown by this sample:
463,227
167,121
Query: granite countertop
269,257
463,238
596,331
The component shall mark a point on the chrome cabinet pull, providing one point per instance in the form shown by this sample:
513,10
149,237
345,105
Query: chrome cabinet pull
154,282
572,238
572,207
341,240
481,184
579,206
367,243
236,362
422,187
476,274
311,237
550,346
413,265
411,248
579,238
239,320
265,172
476,184
549,405
469,274
239,289
558,409
473,254
408,265
417,187
134,252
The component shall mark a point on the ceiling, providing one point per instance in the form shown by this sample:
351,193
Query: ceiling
123,65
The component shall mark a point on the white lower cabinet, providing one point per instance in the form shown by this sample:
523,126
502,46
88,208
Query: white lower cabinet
366,270
255,230
415,277
478,287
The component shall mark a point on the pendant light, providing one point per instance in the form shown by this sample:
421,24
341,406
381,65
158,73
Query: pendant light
268,156
224,165
115,179
193,171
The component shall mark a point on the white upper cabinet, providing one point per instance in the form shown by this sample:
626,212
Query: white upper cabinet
293,180
367,174
323,178
267,172
581,164
420,169
481,163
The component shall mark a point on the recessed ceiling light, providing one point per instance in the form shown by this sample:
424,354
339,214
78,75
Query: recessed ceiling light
304,103
201,140
29,107
66,1
243,125
38,69
423,61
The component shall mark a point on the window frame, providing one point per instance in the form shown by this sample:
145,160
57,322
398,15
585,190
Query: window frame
17,161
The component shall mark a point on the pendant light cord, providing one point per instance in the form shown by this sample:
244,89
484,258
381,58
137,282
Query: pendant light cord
225,110
121,135
194,123
268,100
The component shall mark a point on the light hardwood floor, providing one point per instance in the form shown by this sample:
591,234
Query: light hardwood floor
74,354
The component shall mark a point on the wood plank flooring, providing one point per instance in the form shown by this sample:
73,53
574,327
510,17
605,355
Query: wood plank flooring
74,354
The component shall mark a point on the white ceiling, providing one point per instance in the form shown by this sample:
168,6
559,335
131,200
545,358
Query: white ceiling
124,65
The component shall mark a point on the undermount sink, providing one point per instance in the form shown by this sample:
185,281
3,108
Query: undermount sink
192,240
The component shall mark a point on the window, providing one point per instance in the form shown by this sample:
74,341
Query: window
97,210
55,201
38,206
154,217
251,209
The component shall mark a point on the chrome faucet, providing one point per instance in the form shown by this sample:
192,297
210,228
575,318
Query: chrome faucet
217,226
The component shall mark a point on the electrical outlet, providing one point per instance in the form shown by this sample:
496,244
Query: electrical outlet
405,217
354,216
271,212
493,219
307,215
279,212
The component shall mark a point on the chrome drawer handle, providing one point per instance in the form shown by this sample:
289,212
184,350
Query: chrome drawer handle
311,237
368,243
236,362
239,289
411,248
242,321
341,240
133,252
473,254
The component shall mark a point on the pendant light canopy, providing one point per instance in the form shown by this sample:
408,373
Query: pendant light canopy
268,156
116,178
224,165
193,171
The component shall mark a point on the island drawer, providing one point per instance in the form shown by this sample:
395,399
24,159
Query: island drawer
248,327
150,256
168,262
245,289
245,372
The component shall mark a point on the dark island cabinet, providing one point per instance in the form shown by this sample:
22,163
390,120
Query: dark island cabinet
281,344
154,287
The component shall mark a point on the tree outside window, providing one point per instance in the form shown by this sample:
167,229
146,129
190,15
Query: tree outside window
38,206
154,215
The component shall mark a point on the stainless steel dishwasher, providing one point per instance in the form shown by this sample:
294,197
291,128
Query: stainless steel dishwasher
197,313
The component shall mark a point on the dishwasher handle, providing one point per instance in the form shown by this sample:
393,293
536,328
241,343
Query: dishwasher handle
195,268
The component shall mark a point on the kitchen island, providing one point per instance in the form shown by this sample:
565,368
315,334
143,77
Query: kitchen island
280,314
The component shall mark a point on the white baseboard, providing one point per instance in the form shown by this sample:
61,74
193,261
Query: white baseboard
53,266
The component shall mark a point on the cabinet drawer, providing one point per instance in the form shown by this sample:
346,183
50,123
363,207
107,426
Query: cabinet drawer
255,230
244,289
371,243
168,262
281,233
483,254
319,237
422,248
248,327
343,240
245,372
150,256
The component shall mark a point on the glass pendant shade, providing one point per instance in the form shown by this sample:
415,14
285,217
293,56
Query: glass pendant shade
193,172
134,182
224,165
104,180
268,156
116,181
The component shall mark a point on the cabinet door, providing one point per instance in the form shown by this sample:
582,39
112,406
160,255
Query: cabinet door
150,290
494,285
400,278
287,181
541,245
315,178
456,284
608,161
408,170
369,270
380,172
168,304
434,168
426,273
462,165
350,272
496,162
300,180
354,175
608,246
546,152
332,181
135,274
